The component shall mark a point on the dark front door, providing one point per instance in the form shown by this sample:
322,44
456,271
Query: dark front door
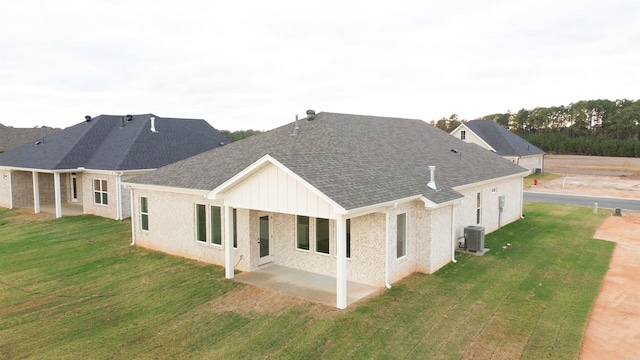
265,246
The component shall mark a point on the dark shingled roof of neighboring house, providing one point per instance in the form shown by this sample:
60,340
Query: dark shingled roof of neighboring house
503,141
110,142
356,160
11,137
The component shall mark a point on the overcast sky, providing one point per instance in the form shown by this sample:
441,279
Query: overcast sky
256,64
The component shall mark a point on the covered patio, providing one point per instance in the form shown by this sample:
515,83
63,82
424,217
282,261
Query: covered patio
303,284
68,209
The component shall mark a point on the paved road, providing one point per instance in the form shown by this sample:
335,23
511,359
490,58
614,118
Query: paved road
603,202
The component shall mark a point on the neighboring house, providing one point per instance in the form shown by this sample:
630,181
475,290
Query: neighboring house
492,136
348,196
84,165
11,137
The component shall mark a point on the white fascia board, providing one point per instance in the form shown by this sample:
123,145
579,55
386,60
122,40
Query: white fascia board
382,207
458,128
169,189
13,168
218,193
487,182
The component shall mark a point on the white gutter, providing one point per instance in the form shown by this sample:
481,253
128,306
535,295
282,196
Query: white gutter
454,240
386,247
133,227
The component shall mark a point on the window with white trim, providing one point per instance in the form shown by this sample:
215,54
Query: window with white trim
235,228
302,232
463,135
478,208
201,223
401,235
144,213
322,235
100,195
216,225
348,238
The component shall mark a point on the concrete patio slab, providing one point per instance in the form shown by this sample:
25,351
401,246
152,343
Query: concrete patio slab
313,287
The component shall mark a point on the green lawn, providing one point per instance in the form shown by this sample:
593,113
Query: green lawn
74,288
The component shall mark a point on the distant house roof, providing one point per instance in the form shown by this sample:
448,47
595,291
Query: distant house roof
109,142
11,137
356,160
503,141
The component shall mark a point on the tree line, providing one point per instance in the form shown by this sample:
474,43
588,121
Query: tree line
588,127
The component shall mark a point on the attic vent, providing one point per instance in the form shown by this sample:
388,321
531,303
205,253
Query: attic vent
311,114
153,124
432,180
40,142
87,118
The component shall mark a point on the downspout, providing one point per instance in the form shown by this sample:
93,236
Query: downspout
386,247
10,190
119,196
453,234
133,227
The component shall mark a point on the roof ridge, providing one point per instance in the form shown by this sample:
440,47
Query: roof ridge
71,148
135,138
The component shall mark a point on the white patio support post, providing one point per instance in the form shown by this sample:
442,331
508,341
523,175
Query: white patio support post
228,242
58,195
36,193
341,263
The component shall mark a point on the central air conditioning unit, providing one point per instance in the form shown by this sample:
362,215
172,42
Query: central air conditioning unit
474,238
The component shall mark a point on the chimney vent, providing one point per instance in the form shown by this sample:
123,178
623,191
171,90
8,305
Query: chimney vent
311,114
153,124
87,118
432,179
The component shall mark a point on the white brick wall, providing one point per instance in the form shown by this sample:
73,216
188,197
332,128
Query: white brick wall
429,241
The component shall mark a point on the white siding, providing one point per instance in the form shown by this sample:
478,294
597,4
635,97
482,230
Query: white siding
272,189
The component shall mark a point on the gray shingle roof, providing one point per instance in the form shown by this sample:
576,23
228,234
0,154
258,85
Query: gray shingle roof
503,141
355,160
11,137
105,144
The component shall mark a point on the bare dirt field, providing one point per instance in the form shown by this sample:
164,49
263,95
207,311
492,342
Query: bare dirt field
592,175
613,331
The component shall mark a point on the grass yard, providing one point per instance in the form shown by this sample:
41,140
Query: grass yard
74,288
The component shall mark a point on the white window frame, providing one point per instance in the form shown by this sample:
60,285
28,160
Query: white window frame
196,208
144,213
103,190
315,236
308,234
211,227
463,135
479,208
235,228
404,236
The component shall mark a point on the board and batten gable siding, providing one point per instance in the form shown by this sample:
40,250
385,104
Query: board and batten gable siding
273,189
172,228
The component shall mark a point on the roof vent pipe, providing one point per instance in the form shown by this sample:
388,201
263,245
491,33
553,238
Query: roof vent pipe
129,118
153,124
432,179
311,114
87,118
